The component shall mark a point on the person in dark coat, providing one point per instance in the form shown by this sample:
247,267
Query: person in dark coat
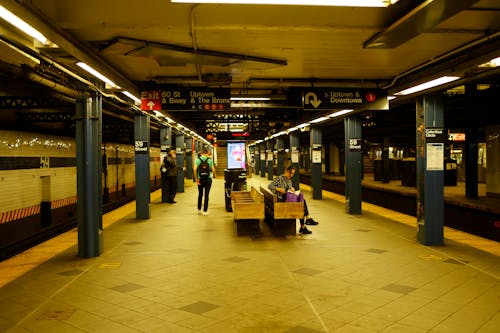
169,172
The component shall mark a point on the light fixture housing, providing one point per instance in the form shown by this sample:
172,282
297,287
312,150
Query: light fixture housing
340,113
97,74
137,100
349,3
492,63
250,98
318,120
428,85
22,25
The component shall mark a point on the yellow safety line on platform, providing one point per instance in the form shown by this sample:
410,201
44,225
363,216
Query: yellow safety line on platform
474,241
14,267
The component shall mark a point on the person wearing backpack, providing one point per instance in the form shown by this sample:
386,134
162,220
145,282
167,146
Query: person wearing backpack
204,171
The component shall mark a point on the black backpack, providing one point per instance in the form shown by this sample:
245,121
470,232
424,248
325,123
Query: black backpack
203,169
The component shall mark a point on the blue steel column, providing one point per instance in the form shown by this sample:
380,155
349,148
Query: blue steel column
352,128
270,159
197,148
142,173
189,158
430,178
316,173
386,168
280,146
471,148
470,160
165,138
263,157
294,159
164,147
89,166
256,151
179,147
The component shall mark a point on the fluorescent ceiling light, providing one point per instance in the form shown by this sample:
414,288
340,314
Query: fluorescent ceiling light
250,98
427,85
23,26
96,74
390,98
492,63
349,3
135,99
318,120
340,113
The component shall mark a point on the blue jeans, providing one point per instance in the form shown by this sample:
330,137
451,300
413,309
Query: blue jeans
204,191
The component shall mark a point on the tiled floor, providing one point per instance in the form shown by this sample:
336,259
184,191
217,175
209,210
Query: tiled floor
184,272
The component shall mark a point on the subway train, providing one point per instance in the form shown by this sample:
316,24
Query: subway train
38,182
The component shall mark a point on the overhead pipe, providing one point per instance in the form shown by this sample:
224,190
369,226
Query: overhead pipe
173,47
51,84
195,41
312,81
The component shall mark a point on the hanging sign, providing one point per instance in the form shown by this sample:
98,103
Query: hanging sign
344,98
150,101
173,98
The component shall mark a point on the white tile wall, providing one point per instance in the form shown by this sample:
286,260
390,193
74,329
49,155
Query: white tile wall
23,188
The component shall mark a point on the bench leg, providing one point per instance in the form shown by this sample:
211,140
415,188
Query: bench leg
247,227
284,227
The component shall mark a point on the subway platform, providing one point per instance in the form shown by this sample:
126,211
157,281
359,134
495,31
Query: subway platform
183,272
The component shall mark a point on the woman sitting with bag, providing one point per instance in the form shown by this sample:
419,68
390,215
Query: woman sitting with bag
283,184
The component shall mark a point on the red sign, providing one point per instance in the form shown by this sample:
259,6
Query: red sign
456,137
150,100
370,97
240,134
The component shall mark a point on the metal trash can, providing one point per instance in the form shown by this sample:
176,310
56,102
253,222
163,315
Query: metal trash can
235,180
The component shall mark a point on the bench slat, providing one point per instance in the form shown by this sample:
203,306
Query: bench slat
247,210
247,205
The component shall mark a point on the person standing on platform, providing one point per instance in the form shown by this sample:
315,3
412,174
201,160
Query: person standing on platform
283,184
172,171
204,172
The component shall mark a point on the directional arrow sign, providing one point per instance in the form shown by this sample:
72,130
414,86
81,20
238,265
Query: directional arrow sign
312,98
150,100
348,98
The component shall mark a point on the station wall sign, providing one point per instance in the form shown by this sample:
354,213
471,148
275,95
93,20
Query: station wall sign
173,98
355,144
344,98
434,134
141,147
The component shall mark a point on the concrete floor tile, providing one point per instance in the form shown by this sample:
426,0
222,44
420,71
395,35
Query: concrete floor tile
354,273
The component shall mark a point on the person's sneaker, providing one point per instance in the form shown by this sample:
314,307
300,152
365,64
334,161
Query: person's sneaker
305,231
311,222
199,211
205,213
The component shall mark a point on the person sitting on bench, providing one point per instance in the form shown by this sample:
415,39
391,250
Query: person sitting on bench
280,186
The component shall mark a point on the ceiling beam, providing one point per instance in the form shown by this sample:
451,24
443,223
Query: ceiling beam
421,19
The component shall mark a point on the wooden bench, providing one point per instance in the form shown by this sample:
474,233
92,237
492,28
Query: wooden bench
281,216
248,210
